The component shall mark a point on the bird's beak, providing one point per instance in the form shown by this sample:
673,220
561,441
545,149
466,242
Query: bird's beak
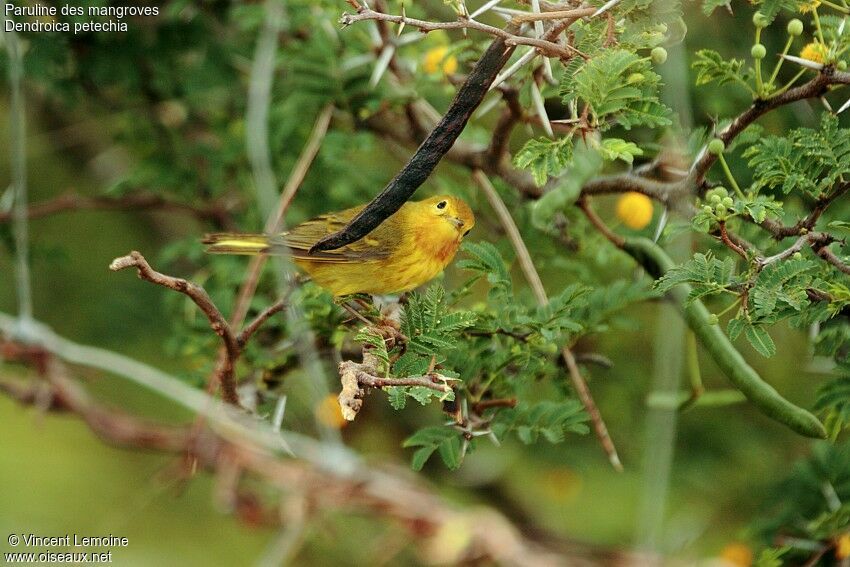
457,222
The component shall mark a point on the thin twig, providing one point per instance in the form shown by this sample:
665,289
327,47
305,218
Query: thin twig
724,236
200,297
549,48
597,222
71,201
533,278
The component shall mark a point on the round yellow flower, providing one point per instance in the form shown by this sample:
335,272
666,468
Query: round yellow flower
737,555
842,546
809,6
634,210
814,52
329,413
435,59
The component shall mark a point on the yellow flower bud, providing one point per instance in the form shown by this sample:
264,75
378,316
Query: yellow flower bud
329,413
634,210
809,6
842,546
814,52
737,555
435,60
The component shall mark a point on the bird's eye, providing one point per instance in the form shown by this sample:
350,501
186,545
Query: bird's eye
442,205
467,232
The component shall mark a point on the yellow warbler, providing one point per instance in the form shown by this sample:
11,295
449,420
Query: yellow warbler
635,210
436,59
408,249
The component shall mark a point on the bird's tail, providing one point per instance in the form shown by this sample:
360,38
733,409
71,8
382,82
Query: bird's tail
236,243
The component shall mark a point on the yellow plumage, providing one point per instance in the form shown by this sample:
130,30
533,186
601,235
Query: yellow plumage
408,249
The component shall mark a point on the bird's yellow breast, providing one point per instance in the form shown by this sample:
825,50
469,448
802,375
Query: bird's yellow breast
424,250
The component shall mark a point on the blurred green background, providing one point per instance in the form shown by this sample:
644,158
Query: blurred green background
57,478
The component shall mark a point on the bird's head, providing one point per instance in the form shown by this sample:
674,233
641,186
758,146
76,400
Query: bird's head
452,210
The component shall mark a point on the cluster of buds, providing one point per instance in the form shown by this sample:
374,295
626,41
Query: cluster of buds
718,203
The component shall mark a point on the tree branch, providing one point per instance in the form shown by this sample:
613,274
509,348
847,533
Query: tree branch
510,39
429,154
382,493
218,212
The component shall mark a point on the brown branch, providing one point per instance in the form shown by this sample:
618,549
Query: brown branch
482,406
218,212
358,377
248,331
397,498
724,236
814,88
833,259
232,343
597,222
547,47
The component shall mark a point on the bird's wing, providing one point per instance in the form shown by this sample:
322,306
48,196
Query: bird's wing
378,244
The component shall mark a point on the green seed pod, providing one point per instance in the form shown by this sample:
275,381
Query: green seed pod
716,146
715,199
761,394
728,202
797,256
795,27
708,209
713,319
758,51
720,210
658,55
760,20
841,65
721,191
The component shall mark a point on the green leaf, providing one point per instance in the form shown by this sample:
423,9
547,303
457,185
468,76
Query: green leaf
833,399
840,226
711,66
397,397
545,157
761,340
619,87
548,418
615,148
708,274
487,261
443,439
804,160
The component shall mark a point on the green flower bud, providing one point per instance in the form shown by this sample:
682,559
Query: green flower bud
635,78
721,191
758,51
715,199
658,55
795,27
760,20
707,209
841,65
728,202
716,146
720,210
713,319
797,256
